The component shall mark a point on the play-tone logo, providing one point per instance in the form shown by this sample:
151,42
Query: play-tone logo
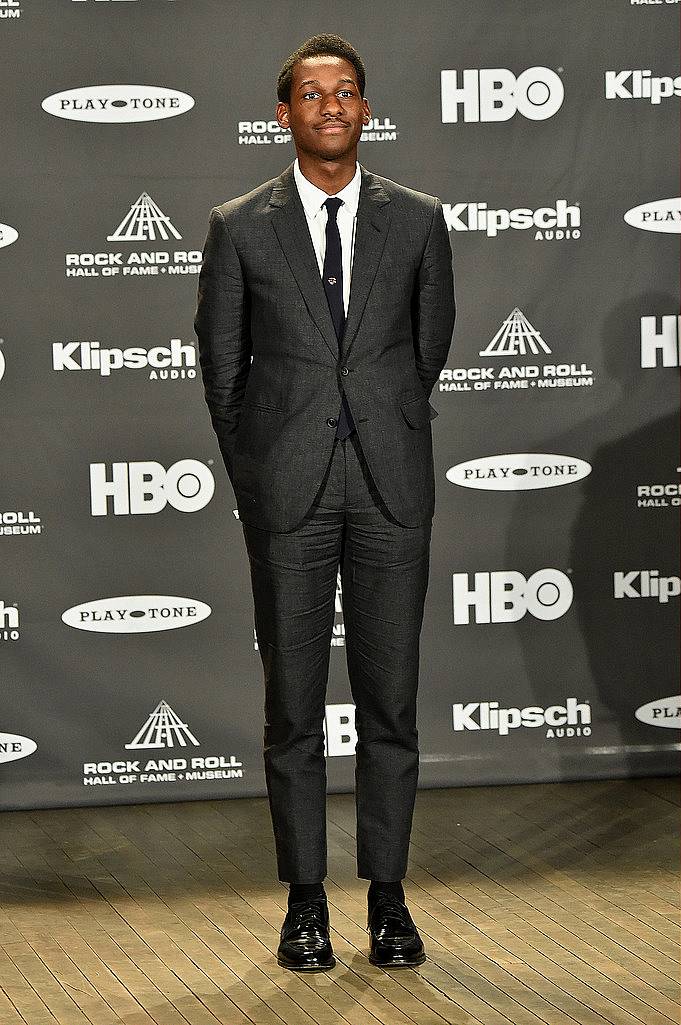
506,596
640,85
13,747
573,719
559,222
136,613
496,94
147,487
523,471
2,361
8,235
661,348
661,215
662,712
117,104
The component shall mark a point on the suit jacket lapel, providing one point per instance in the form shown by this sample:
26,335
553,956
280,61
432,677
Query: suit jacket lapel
290,225
373,221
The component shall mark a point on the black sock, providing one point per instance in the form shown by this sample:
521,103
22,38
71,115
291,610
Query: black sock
304,891
377,889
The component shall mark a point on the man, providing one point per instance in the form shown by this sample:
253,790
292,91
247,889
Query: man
325,315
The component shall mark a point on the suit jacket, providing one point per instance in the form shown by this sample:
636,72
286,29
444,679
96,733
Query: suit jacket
270,359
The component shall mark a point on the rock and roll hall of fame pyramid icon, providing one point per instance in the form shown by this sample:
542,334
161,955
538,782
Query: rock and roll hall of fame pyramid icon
144,222
163,729
516,337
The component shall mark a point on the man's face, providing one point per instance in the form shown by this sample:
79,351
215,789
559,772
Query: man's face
326,114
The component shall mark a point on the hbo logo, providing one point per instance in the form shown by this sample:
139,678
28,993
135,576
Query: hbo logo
495,94
147,487
340,735
505,597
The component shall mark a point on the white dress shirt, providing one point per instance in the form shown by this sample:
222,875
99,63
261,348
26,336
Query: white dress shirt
313,200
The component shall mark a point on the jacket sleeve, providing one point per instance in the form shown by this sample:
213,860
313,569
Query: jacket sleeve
222,326
434,307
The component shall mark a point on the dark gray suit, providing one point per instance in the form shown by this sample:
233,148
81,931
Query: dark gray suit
308,502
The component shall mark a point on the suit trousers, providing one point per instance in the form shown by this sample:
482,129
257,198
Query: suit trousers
384,569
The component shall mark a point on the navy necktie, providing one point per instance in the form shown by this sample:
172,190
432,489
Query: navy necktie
332,277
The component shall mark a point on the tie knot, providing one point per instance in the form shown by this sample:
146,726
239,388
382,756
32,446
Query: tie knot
332,204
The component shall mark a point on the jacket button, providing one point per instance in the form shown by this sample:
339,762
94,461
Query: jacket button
344,371
331,422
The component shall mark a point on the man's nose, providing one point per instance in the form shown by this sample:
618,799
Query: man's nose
332,106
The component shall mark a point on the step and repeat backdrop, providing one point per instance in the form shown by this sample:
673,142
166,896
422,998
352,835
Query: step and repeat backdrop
550,131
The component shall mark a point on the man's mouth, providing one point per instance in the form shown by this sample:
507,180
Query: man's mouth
332,127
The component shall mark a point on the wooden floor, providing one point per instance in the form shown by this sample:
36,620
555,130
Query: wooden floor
537,904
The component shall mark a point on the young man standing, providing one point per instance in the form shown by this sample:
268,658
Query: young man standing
325,315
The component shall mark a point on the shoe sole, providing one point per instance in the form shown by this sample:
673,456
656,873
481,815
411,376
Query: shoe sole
398,964
307,968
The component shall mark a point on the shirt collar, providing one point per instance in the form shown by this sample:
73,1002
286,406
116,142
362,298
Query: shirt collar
312,198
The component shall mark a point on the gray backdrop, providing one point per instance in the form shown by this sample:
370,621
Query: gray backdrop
550,646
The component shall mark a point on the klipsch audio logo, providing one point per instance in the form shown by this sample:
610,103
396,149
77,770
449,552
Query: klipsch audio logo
10,9
646,583
147,487
524,471
662,712
118,104
9,622
13,747
496,94
8,235
144,223
661,348
660,215
507,596
640,85
516,337
163,362
573,719
136,613
559,222
261,132
13,523
163,729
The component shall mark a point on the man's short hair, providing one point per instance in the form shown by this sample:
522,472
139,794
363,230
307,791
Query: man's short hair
324,45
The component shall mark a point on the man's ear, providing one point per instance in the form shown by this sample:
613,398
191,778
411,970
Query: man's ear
282,115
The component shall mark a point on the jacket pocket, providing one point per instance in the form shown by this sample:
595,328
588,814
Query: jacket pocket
418,412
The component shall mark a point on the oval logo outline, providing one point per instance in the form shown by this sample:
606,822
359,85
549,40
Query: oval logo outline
8,235
117,110
634,216
137,608
644,713
29,746
519,476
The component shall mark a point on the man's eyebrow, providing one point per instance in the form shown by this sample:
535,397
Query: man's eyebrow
315,81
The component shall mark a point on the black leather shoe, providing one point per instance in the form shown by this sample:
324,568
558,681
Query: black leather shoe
305,945
395,941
